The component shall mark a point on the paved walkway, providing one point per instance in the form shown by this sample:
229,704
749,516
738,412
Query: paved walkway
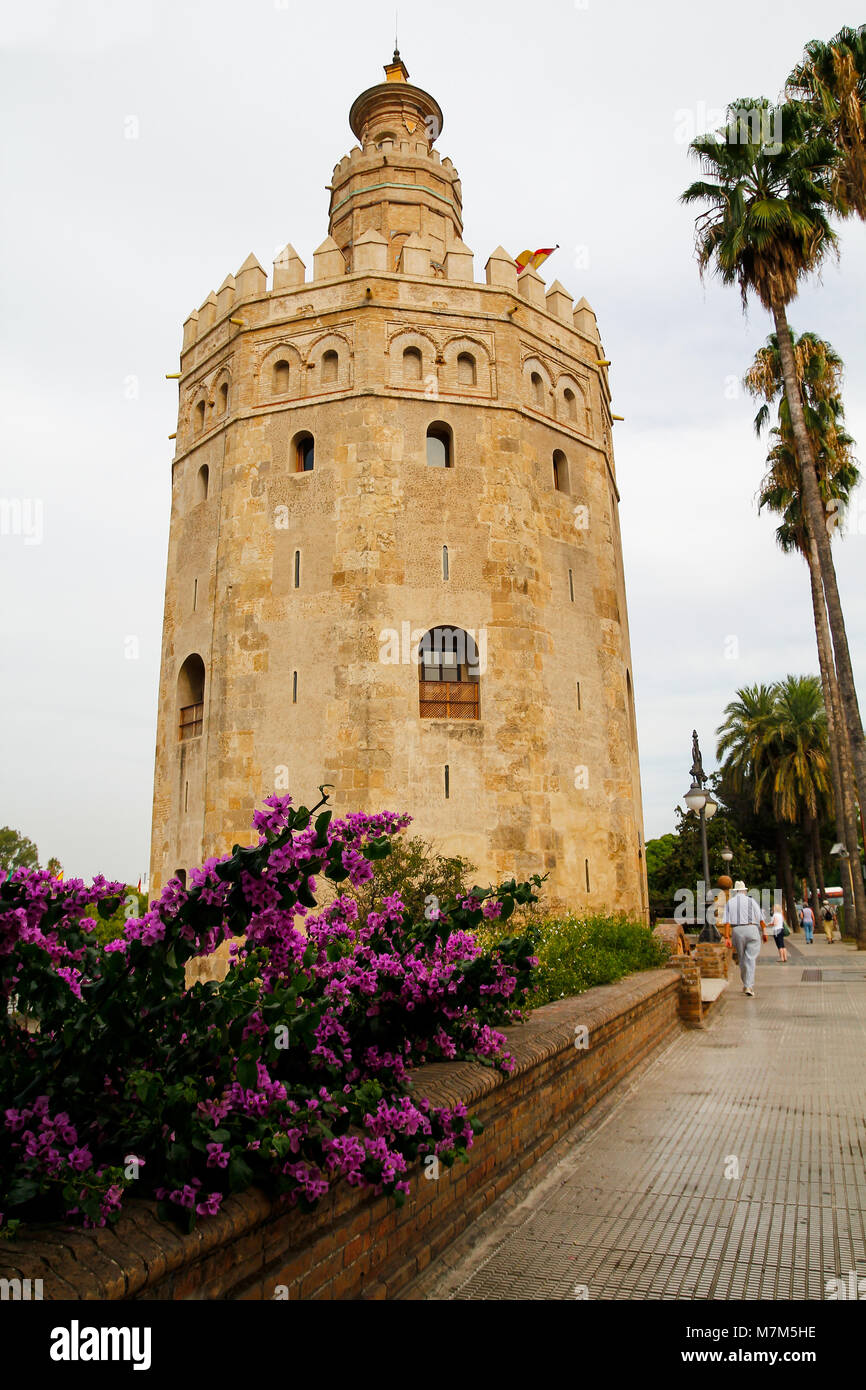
641,1200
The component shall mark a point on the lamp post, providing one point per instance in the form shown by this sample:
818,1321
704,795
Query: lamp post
702,803
727,854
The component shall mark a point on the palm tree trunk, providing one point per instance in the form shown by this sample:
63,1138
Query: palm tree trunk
840,761
816,527
783,871
808,822
818,853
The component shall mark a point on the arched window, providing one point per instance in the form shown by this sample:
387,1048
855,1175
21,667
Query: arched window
297,569
449,670
180,875
201,483
412,365
444,562
281,378
560,471
224,397
440,452
190,698
466,369
199,415
305,452
537,389
570,400
330,367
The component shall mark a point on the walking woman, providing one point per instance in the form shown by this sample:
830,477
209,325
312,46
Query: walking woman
779,928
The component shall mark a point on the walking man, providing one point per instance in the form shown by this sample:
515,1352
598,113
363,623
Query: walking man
749,931
829,923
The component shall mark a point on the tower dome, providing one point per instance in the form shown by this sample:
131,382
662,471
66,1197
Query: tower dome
394,182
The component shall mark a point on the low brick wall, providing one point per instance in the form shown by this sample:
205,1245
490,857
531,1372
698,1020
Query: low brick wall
356,1245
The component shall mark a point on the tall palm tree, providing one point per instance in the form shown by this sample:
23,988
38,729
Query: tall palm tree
830,85
819,369
769,188
801,764
747,751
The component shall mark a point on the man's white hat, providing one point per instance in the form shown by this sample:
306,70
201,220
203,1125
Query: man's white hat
739,886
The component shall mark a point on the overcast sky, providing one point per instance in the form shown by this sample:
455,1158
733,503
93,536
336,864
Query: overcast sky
148,147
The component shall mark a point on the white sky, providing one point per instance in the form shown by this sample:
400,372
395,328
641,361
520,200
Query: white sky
568,123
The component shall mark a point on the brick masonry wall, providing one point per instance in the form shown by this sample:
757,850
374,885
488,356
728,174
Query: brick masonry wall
357,1245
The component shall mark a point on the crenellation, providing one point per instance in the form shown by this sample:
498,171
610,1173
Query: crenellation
207,314
501,270
225,297
458,262
328,261
251,280
190,330
530,287
289,269
559,303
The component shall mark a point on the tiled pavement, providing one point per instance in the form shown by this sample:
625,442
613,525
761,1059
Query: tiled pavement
639,1201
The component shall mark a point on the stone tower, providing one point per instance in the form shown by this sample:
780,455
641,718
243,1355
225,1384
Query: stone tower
394,560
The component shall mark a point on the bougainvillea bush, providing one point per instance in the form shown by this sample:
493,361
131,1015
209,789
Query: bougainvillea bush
293,1073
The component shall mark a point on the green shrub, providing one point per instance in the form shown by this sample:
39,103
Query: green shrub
575,953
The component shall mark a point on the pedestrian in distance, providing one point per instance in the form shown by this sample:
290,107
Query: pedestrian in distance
779,928
807,920
749,931
829,922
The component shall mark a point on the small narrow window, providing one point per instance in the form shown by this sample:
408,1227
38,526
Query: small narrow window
586,868
199,416
194,594
537,389
330,367
439,446
578,696
294,687
180,875
305,453
447,781
570,404
571,584
186,796
560,471
412,364
281,378
466,369
201,483
444,562
224,398
297,569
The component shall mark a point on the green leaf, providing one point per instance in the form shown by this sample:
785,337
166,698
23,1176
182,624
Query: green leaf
247,1073
21,1190
240,1173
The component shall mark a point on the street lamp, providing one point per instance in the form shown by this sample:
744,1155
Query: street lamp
705,807
841,853
727,854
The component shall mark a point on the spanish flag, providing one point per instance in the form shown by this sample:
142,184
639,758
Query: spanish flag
534,258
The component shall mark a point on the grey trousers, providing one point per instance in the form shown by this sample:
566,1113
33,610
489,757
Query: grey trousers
747,944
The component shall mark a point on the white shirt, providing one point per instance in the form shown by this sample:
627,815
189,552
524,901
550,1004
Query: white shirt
778,921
